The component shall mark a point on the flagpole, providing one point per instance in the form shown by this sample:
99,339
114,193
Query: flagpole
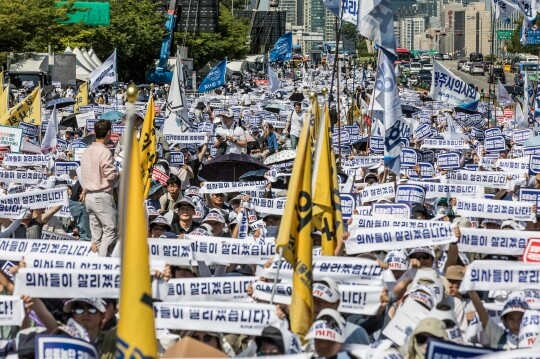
131,94
116,78
492,100
373,99
280,259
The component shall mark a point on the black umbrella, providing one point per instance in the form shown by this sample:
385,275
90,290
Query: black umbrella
408,110
60,102
297,97
229,168
70,121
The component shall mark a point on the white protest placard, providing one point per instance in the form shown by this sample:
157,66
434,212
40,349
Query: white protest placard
226,289
25,177
360,299
226,250
361,221
441,144
484,178
378,191
487,208
52,236
222,317
38,198
494,241
355,299
227,187
363,161
11,137
346,270
171,251
436,190
14,249
187,137
59,346
513,165
500,275
20,160
269,205
363,240
12,310
59,261
67,283
83,117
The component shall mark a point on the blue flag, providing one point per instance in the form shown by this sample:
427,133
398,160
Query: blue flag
282,50
215,78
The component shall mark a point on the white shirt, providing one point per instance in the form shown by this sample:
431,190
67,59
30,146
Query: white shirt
297,122
235,131
246,99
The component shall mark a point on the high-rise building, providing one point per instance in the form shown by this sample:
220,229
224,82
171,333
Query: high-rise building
409,27
291,9
465,29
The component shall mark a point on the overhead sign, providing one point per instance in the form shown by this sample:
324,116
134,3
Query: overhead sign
504,34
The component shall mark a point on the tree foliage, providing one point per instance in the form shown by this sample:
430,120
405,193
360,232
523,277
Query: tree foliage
136,31
231,41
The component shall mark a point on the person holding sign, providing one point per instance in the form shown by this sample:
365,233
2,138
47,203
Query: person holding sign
230,137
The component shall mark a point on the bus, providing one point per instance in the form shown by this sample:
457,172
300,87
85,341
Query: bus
403,55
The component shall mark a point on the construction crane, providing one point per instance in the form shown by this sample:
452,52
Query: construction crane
162,74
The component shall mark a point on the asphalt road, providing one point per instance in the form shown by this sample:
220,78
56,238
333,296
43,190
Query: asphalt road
477,80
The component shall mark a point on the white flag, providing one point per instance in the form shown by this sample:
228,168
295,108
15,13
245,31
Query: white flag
503,97
176,115
273,81
376,22
105,74
49,140
394,126
449,88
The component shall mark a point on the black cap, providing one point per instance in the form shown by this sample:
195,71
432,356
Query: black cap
272,334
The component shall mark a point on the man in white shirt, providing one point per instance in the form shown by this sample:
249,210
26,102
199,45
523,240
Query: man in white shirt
230,135
246,98
295,122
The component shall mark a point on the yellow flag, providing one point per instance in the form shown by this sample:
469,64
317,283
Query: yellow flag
28,110
294,237
1,80
82,97
354,114
4,100
136,331
327,215
147,144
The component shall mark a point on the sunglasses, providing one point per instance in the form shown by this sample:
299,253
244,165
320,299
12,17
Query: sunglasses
81,310
421,257
218,195
203,338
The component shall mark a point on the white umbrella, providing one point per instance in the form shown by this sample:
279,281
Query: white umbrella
279,157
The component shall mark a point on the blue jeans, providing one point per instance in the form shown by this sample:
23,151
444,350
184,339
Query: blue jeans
80,214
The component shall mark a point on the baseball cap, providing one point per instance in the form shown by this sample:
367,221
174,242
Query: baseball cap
427,250
185,200
397,260
160,221
97,303
454,273
327,290
203,230
329,325
514,305
214,216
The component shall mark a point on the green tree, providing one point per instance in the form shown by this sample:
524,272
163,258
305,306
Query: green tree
136,31
231,41
350,32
